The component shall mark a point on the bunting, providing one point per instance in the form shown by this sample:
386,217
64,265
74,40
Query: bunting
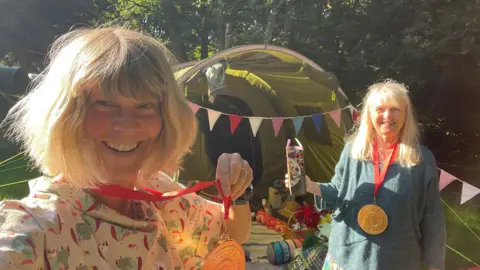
336,116
297,123
255,123
468,191
317,121
277,122
212,118
445,179
355,113
194,107
234,121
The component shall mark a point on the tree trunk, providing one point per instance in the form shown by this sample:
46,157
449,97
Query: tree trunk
221,34
171,18
228,35
204,41
272,17
272,20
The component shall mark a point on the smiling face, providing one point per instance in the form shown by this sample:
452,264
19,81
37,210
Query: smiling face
387,116
123,130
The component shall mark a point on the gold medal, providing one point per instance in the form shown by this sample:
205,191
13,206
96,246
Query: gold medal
372,219
227,254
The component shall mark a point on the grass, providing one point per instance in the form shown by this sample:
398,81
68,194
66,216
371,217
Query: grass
463,221
14,168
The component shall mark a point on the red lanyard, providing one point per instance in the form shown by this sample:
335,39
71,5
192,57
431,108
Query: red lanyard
157,196
380,177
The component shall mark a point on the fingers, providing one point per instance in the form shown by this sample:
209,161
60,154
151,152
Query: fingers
223,173
246,177
228,171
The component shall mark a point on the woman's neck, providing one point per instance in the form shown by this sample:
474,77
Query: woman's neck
121,205
386,142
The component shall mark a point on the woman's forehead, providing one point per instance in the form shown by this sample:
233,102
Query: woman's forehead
377,101
137,95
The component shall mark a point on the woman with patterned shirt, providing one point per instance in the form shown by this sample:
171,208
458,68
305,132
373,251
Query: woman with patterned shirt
107,114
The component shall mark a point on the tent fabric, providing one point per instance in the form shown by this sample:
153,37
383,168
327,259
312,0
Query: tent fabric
263,81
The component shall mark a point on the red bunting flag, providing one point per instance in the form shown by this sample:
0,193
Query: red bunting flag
234,121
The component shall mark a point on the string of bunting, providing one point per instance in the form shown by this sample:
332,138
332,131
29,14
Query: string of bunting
277,122
468,191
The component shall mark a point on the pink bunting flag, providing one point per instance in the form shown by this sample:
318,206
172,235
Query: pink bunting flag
234,121
336,116
194,107
212,118
445,179
277,124
468,192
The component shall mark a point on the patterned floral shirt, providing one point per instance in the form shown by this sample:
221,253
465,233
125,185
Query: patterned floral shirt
60,227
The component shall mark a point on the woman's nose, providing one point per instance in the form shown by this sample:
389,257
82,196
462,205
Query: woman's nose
387,114
125,122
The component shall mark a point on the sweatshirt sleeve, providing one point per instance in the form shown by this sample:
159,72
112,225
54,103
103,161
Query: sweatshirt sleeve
432,225
21,238
330,190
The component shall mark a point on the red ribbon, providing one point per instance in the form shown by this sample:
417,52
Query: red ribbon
157,196
379,177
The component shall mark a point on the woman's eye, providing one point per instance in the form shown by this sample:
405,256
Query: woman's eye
145,106
103,103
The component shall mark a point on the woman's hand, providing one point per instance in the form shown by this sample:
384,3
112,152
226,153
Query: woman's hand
311,186
234,173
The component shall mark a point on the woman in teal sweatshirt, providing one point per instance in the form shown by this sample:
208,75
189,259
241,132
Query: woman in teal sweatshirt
385,191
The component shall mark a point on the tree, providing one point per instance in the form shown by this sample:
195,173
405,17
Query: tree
28,27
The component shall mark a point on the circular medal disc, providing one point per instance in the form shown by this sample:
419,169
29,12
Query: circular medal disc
226,255
372,219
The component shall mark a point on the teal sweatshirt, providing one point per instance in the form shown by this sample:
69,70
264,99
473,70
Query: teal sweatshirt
415,236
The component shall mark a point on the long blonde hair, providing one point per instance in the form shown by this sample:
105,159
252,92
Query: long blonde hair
49,120
408,153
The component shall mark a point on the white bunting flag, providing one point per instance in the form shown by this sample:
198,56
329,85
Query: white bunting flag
468,192
255,123
212,118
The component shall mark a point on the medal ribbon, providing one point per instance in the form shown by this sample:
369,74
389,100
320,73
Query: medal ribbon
379,177
152,195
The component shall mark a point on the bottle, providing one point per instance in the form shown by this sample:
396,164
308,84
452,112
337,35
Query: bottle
296,168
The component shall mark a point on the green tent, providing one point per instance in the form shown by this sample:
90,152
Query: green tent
263,82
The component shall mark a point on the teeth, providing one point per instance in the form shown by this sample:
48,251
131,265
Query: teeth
122,147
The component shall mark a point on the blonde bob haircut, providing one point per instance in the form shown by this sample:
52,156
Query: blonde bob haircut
49,120
408,153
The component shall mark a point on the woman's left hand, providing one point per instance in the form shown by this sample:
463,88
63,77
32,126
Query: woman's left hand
234,173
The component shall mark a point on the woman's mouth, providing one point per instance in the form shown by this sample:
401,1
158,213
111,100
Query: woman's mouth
122,148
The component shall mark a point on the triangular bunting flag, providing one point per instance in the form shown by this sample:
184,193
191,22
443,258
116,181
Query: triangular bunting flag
445,179
297,122
255,124
468,192
355,113
212,117
336,116
194,107
277,124
317,120
234,121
